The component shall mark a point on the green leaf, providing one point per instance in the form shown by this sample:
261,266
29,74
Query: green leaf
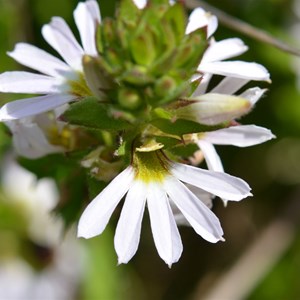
181,126
184,150
90,113
168,142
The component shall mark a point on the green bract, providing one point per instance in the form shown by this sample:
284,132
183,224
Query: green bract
145,61
141,82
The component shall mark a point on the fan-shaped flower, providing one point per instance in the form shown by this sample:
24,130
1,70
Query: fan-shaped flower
60,81
155,180
39,135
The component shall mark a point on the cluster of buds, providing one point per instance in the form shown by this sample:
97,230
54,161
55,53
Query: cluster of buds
132,108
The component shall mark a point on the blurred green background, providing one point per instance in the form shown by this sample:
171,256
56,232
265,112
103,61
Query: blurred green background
272,170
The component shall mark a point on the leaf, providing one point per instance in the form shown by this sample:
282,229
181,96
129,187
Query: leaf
181,126
90,113
168,142
184,150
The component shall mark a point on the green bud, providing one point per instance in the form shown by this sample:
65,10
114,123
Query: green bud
129,98
143,48
176,16
165,86
136,76
108,32
127,11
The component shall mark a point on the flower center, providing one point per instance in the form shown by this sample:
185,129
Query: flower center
61,137
150,166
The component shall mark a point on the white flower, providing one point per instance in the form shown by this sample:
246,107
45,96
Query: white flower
240,136
31,135
200,18
154,180
38,198
60,82
60,276
212,62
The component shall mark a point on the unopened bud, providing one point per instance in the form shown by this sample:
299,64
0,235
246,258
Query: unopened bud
129,98
165,86
97,78
213,109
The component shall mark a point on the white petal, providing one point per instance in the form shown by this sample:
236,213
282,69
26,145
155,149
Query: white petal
37,59
201,218
200,18
253,94
178,216
219,184
32,106
58,35
230,85
240,136
97,214
87,16
203,196
165,232
239,69
140,3
30,141
128,230
212,158
25,82
224,49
